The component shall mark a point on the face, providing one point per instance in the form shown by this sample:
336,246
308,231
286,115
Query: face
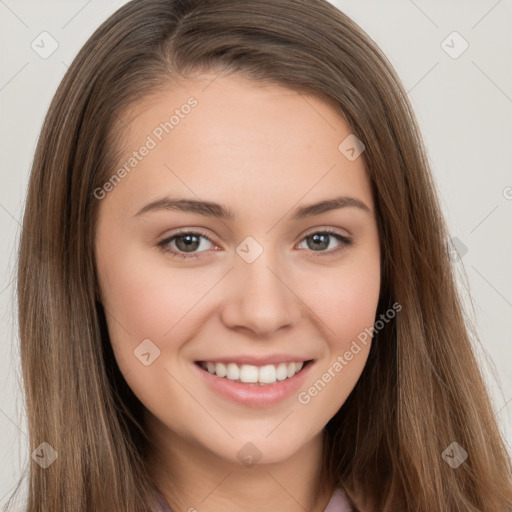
211,258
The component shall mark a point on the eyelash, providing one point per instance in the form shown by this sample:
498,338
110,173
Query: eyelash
163,245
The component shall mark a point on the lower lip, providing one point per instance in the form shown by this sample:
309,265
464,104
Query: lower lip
253,394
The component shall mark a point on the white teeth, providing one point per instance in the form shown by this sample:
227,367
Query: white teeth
267,374
282,372
249,373
233,372
220,370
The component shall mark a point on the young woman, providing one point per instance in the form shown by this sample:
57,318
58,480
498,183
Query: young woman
234,289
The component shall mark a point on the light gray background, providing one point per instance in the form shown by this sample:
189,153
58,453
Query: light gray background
463,105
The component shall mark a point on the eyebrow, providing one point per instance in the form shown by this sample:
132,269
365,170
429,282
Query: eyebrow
211,209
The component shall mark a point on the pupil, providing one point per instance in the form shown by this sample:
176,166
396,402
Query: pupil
317,238
190,242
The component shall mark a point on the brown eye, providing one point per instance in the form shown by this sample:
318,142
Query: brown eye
321,240
185,243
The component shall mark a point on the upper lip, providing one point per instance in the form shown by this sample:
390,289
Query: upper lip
257,360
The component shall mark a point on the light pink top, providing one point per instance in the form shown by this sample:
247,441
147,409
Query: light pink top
338,503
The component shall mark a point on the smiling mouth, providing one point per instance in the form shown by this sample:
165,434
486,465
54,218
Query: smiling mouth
256,375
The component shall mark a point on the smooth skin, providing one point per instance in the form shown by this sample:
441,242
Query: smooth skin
262,151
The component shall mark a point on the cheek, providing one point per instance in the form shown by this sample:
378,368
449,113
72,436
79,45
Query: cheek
143,300
345,299
345,305
148,303
355,304
146,297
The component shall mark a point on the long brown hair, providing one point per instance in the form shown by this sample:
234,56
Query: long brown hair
421,388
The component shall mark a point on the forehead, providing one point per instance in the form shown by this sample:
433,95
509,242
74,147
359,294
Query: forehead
236,139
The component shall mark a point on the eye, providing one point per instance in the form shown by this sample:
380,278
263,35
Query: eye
186,242
321,240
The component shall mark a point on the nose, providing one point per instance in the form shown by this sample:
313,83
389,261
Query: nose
260,298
